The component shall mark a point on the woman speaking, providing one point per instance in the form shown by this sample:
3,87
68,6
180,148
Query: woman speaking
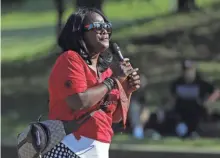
82,82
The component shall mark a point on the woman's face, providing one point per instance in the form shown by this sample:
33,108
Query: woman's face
96,41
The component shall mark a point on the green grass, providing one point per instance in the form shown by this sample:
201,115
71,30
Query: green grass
171,23
26,49
27,31
122,10
168,142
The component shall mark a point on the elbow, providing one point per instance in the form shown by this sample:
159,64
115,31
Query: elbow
84,101
74,105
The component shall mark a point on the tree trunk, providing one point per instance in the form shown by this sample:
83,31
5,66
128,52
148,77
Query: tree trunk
60,10
90,4
186,5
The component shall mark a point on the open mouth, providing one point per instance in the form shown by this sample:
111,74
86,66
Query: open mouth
104,39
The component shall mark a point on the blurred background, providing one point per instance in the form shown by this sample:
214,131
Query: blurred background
175,43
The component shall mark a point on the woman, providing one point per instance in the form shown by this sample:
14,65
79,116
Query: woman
81,82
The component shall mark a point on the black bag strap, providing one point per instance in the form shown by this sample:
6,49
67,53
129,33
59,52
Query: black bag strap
73,126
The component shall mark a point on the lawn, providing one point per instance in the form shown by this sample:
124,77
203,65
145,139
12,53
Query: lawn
31,28
28,32
168,144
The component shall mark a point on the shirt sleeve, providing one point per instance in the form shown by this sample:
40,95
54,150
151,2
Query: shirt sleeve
72,76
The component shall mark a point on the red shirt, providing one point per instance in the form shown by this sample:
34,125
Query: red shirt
71,75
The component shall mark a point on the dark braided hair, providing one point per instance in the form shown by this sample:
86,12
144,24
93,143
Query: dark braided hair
71,38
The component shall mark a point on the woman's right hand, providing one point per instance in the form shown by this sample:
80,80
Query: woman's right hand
123,70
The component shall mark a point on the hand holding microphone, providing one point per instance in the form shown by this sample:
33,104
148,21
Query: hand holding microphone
125,72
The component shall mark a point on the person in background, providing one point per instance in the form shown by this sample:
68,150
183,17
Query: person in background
191,95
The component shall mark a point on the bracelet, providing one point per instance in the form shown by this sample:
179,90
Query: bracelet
110,83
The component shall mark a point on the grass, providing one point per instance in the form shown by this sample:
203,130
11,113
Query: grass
121,10
167,144
30,30
181,22
169,141
127,143
29,33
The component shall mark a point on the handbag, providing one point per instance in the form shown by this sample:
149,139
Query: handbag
41,136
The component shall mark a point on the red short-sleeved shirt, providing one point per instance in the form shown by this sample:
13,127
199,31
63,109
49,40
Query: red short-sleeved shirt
71,75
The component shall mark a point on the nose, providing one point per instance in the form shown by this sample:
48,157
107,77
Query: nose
104,31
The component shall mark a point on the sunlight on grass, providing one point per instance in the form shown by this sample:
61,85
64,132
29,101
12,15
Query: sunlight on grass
121,10
15,45
168,141
209,66
23,49
158,25
135,9
23,20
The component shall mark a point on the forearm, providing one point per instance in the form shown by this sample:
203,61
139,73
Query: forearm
213,97
93,95
88,98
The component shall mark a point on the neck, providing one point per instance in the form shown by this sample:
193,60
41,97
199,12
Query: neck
94,59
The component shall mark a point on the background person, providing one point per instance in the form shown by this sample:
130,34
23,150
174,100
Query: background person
191,94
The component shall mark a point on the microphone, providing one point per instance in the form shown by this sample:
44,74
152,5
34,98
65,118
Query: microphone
116,50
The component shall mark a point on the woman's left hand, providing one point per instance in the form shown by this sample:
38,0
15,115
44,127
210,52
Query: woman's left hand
133,82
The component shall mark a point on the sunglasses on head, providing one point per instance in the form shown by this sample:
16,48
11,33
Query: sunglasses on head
99,26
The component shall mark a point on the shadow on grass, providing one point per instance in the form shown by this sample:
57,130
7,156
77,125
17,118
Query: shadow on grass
28,6
173,39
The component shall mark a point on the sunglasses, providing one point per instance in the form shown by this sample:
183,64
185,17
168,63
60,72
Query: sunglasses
99,26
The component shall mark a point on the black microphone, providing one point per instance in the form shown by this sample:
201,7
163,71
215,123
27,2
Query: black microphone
116,50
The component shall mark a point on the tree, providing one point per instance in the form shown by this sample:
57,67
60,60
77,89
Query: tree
186,5
90,3
60,10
